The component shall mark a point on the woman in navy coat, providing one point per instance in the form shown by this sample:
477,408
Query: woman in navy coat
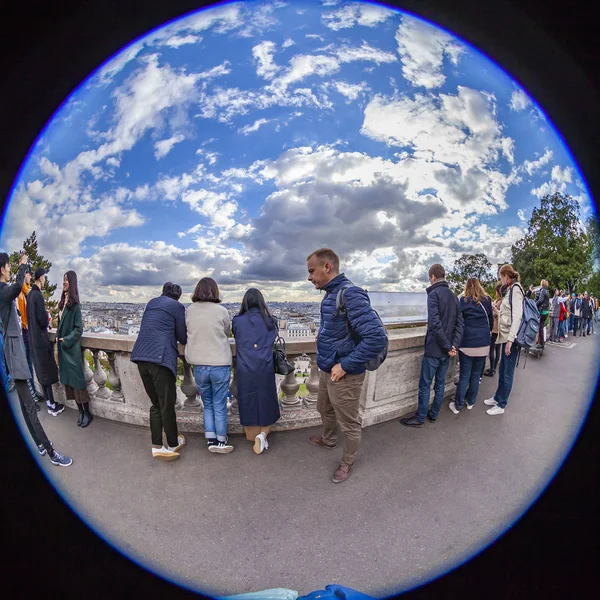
255,331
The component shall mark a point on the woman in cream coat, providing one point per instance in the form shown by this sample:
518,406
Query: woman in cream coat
509,322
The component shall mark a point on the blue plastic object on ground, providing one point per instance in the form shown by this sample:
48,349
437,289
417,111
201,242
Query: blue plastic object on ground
272,594
336,592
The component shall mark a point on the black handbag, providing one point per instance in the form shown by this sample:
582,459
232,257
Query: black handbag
280,361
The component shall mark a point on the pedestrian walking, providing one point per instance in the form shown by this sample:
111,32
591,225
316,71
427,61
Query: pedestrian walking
586,314
509,321
208,350
16,360
443,338
478,322
255,330
155,353
345,343
70,359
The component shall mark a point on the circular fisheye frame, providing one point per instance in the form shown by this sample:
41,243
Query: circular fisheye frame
185,187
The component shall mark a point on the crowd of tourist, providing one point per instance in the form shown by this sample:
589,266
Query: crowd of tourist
351,340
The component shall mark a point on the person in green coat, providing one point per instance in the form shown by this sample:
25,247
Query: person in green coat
70,360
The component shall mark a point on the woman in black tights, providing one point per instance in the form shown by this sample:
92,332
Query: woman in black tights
495,350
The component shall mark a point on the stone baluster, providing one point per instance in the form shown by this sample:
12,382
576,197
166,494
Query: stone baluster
100,377
88,375
290,387
114,379
312,384
188,387
232,405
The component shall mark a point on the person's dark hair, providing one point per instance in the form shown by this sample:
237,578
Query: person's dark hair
437,271
73,291
4,259
253,298
207,290
510,271
172,290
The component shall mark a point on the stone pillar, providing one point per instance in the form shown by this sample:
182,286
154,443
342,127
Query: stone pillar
88,375
188,387
100,377
290,387
312,385
114,379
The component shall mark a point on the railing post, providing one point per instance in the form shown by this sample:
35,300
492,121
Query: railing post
114,379
290,387
88,375
232,405
312,385
188,387
100,377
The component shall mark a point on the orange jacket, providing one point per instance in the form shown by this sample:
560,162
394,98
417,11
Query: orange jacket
22,304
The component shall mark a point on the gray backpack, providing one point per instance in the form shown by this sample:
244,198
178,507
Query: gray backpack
340,309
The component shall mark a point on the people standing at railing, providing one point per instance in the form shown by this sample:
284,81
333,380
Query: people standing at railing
586,314
155,353
42,349
478,321
542,301
555,316
442,340
591,327
208,350
255,330
70,359
494,355
345,343
16,361
509,321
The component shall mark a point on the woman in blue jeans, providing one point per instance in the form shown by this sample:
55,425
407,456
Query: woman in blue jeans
478,318
208,350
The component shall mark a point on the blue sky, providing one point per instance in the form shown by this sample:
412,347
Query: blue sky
235,141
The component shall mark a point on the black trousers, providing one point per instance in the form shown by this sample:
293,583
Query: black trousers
30,415
159,383
494,353
48,394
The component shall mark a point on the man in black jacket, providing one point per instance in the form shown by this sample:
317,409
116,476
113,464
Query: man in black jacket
442,340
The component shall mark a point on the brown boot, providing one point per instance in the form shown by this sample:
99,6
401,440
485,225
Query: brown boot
342,473
317,440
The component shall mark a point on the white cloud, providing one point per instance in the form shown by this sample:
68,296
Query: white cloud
508,149
351,91
519,100
215,206
315,36
254,127
263,55
522,214
367,15
422,48
364,53
182,40
289,42
562,175
163,147
531,166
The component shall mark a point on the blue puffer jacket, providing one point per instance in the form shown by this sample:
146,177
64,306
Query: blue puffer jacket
334,344
163,325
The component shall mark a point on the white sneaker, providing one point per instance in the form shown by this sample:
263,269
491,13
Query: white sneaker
470,406
453,408
164,454
490,402
221,448
495,410
260,443
180,443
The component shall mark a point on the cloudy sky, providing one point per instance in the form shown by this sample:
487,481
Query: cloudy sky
236,141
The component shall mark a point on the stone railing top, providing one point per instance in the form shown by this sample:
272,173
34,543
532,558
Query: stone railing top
398,339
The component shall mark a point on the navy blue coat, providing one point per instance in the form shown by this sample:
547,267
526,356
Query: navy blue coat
444,321
254,369
163,325
335,344
478,320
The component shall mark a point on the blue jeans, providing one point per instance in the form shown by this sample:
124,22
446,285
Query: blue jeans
470,373
213,386
506,375
432,367
4,376
571,322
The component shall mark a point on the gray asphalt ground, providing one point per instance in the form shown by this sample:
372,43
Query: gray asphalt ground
419,501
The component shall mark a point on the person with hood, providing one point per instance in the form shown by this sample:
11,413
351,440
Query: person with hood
70,359
442,340
42,351
511,312
155,353
255,330
555,317
16,361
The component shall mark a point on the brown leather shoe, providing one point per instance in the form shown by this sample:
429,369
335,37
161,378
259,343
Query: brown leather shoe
317,440
342,473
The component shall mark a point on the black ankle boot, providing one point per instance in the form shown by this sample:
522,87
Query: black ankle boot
80,419
87,415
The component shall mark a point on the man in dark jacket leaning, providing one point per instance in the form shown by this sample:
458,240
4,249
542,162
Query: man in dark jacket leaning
342,357
155,352
442,340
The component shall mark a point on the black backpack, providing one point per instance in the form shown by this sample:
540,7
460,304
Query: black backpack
340,309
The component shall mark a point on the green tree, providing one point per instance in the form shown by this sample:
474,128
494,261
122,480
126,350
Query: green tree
30,247
471,265
556,246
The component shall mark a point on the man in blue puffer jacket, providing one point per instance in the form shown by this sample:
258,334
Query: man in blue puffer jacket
155,352
342,357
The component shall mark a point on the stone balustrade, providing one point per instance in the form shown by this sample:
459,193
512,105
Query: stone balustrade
387,393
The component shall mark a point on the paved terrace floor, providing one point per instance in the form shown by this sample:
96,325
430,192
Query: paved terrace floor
242,522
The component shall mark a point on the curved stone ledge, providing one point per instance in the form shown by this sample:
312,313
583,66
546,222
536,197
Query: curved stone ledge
387,393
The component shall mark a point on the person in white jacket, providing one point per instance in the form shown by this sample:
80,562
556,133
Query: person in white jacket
509,321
